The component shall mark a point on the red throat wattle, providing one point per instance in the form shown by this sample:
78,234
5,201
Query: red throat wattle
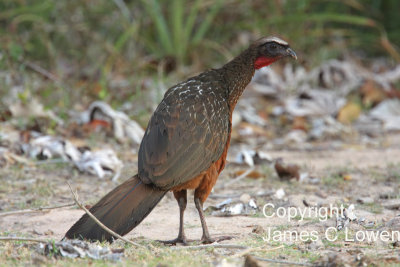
264,61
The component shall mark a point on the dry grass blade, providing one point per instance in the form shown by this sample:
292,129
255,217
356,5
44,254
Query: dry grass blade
74,194
230,246
237,179
38,240
283,262
40,209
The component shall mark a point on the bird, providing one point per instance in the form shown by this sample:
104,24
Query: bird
184,146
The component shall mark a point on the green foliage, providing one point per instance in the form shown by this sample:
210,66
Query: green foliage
174,32
99,33
315,26
87,43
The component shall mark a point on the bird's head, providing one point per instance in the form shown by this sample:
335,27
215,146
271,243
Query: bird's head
270,49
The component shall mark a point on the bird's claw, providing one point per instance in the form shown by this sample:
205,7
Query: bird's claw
207,240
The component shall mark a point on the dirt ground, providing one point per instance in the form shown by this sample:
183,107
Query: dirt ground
367,177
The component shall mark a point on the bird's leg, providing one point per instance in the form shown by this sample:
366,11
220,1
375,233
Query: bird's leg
181,197
182,201
205,239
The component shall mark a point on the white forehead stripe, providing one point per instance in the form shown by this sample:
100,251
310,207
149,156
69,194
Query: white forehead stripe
274,39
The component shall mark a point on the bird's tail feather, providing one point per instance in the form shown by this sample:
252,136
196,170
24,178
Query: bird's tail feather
120,210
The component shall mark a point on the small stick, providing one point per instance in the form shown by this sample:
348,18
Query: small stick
233,246
100,223
9,238
283,262
40,209
42,71
45,73
237,179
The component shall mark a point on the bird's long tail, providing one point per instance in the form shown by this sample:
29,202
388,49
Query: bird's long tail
120,210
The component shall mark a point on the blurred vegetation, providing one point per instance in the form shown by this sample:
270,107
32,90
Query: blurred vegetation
102,49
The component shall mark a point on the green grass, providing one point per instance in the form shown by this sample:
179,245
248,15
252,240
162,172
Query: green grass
374,207
12,253
175,31
393,172
156,254
333,181
278,250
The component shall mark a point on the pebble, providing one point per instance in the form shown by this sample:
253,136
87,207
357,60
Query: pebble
315,245
392,204
280,193
365,200
258,229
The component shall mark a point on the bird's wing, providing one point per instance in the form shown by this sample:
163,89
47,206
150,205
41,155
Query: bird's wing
186,134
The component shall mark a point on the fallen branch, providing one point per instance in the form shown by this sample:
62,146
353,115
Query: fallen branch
40,209
108,230
237,179
230,246
282,262
38,240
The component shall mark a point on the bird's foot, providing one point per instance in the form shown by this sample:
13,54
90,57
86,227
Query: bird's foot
207,240
173,242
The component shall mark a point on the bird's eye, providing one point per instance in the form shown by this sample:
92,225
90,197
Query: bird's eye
273,46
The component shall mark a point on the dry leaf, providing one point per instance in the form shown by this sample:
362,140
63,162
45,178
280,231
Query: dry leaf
245,129
371,94
287,171
347,177
253,174
300,123
349,113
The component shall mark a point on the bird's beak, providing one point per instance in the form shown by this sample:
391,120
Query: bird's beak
291,53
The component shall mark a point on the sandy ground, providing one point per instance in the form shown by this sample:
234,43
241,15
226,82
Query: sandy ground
162,223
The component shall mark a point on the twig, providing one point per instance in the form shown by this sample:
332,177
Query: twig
111,232
211,246
237,179
38,240
45,73
283,262
40,209
247,251
42,71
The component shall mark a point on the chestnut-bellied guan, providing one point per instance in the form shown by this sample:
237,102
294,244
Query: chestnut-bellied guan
184,146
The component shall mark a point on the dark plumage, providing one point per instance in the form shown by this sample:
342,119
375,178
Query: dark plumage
179,143
184,146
